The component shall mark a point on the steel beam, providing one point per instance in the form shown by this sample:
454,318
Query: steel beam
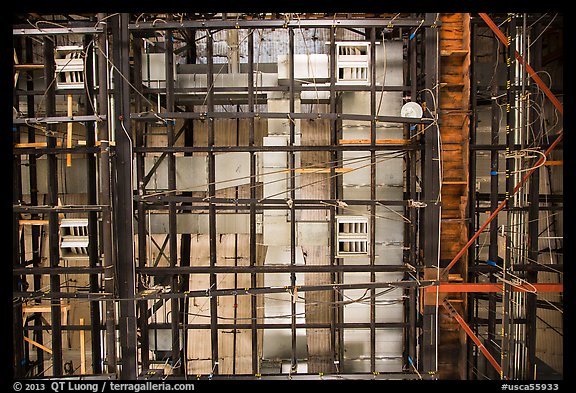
50,31
211,207
281,23
93,252
53,229
292,185
106,200
372,197
557,104
123,209
334,191
53,119
494,287
431,190
533,227
210,114
253,168
210,293
35,231
470,333
287,148
141,207
18,355
172,230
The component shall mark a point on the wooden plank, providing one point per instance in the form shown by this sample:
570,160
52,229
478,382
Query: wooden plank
554,163
27,67
454,53
33,222
34,144
378,141
36,344
69,132
82,349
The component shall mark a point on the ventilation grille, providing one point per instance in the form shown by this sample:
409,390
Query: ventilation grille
74,238
353,63
352,235
69,67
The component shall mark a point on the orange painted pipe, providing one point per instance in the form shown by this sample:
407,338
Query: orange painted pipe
530,70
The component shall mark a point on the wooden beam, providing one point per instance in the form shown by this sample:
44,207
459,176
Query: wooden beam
69,132
82,349
454,182
33,222
454,53
36,344
35,145
554,163
378,141
26,67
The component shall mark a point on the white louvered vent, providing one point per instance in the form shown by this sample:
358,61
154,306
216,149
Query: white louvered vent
352,235
353,62
69,67
74,238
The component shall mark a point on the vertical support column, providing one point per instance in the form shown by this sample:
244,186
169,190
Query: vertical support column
333,196
510,125
253,283
19,357
35,230
533,225
412,212
291,167
493,248
141,206
431,192
472,259
53,238
93,254
105,197
373,115
172,229
211,207
123,211
186,238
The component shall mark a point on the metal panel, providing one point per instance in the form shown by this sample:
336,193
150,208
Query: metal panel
232,169
313,67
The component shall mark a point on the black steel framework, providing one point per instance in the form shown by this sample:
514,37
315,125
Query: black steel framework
501,346
116,279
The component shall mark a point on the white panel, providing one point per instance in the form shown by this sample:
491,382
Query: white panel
275,159
363,365
275,186
278,344
198,223
309,67
312,233
232,169
282,126
357,343
392,63
154,69
191,173
280,255
276,231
